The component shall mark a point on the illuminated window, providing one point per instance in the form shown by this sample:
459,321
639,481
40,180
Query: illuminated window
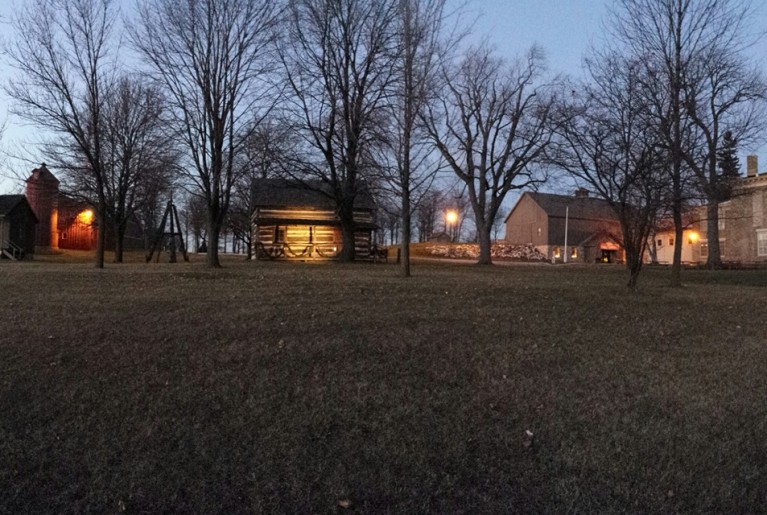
574,253
557,252
761,242
703,248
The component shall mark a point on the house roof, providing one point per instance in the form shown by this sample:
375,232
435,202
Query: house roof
579,207
312,194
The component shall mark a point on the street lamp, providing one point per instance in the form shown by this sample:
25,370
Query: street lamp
451,220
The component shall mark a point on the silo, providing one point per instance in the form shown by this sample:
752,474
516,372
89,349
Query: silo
42,194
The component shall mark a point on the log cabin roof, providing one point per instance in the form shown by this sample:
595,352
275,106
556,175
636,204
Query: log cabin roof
312,194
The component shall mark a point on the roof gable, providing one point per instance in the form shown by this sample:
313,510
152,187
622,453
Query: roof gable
312,194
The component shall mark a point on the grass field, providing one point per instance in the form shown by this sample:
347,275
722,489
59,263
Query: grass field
302,388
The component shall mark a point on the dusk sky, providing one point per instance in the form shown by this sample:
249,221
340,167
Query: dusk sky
563,28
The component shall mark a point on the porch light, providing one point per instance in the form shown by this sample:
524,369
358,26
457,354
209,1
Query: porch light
85,217
694,237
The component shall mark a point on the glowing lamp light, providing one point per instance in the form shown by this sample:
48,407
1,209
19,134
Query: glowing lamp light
451,217
85,217
694,237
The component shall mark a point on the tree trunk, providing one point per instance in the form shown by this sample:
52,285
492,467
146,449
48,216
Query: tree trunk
101,235
714,260
346,215
676,266
214,230
405,245
633,263
483,235
119,242
347,235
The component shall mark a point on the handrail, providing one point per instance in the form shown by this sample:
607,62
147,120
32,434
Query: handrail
16,251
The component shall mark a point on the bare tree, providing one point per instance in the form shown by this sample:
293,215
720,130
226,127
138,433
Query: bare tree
337,57
605,140
427,212
492,128
63,52
724,98
139,154
211,57
265,150
674,39
421,44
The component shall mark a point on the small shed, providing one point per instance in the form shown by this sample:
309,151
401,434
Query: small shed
298,220
17,227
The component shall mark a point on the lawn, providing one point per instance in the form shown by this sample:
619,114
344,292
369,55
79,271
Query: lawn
304,388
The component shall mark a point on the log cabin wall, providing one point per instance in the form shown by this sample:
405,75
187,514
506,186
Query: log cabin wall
306,235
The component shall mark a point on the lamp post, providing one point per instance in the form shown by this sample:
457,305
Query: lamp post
451,220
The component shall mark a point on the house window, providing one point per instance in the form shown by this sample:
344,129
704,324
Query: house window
574,253
722,219
671,242
539,231
761,242
703,248
557,252
660,242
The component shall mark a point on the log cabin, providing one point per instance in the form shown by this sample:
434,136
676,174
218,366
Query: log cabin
293,220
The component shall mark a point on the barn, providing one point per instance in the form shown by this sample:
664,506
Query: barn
17,227
298,220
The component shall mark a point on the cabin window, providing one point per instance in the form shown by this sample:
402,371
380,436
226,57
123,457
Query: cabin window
279,234
557,252
761,242
574,253
660,242
671,242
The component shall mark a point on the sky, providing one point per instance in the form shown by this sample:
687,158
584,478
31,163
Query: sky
563,28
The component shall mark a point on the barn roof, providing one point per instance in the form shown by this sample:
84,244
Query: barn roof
9,202
587,208
312,194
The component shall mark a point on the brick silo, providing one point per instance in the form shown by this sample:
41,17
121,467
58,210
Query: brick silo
42,194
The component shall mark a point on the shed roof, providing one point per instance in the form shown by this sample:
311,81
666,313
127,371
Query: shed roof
9,202
312,194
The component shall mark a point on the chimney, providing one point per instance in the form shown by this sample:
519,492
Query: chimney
581,193
752,166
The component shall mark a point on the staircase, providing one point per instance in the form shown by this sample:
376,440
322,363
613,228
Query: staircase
12,252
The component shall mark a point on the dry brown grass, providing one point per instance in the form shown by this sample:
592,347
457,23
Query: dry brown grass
275,387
